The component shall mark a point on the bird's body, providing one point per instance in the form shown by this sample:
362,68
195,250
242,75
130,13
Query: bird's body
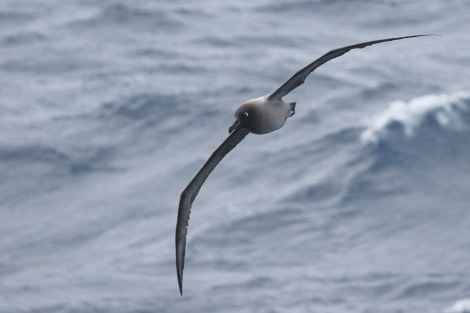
259,116
263,115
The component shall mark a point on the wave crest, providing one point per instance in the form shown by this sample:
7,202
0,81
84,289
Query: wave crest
461,306
445,109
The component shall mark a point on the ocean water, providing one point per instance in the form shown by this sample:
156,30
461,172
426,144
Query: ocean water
360,203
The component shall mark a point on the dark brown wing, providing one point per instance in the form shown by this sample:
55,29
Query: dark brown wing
190,192
299,77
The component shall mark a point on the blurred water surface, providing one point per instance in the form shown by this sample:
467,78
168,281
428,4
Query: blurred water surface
359,204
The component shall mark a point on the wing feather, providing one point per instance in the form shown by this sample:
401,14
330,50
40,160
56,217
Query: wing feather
190,192
299,77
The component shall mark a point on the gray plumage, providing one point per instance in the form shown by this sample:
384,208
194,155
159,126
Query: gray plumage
259,116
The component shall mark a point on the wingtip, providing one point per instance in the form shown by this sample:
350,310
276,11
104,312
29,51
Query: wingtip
180,283
414,36
179,271
428,35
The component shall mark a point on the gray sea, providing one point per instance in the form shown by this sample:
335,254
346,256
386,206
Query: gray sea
360,203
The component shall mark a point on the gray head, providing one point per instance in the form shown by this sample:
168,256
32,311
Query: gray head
248,116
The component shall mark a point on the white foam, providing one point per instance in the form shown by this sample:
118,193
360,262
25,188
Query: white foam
461,306
410,115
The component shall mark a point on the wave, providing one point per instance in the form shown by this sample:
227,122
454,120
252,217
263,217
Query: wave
160,114
141,106
461,306
35,168
11,17
165,113
301,5
23,38
423,142
117,15
60,161
449,111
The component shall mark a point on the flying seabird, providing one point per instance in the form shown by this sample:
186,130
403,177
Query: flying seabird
259,116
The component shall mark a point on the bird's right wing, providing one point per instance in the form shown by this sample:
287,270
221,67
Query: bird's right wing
190,192
299,77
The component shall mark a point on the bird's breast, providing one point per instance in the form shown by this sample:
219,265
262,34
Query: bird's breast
273,116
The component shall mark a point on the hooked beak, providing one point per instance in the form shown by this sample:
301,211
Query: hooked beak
234,126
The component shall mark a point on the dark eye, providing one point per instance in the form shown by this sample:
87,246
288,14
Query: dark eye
245,114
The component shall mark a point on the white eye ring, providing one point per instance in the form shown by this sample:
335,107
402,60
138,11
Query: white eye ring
245,113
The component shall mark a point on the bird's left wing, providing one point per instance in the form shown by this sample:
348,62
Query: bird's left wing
299,77
190,192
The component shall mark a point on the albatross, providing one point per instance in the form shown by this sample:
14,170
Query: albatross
258,116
